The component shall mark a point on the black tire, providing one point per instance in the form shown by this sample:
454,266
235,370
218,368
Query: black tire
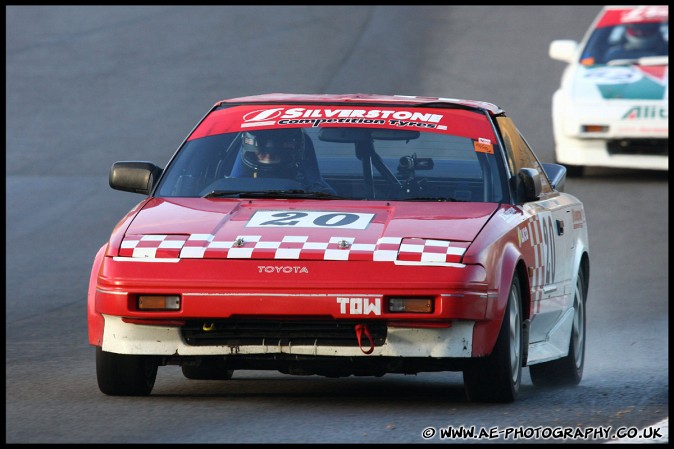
567,370
497,377
208,369
125,375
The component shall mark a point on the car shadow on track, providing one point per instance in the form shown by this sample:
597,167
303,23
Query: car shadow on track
422,389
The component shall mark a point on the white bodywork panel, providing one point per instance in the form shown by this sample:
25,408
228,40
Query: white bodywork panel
455,341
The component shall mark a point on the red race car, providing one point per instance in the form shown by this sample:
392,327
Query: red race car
341,235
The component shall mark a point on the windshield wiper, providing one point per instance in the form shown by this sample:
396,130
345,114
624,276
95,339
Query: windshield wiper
223,194
295,193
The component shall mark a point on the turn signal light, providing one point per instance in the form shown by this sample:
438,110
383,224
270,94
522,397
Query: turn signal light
158,302
595,128
410,305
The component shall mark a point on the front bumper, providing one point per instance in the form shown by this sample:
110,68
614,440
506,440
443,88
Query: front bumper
460,297
454,341
644,154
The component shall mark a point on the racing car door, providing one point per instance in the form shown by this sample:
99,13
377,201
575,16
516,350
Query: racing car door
548,240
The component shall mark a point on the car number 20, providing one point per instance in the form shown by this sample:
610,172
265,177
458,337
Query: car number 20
299,219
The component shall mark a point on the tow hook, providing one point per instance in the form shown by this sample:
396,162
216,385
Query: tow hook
360,330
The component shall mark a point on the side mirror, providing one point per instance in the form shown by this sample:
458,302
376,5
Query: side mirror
530,180
557,175
132,176
563,50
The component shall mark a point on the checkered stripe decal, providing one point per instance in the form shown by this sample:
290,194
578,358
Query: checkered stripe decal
152,246
538,244
431,251
204,246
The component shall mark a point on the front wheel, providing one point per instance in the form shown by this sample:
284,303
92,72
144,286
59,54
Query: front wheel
125,375
497,377
567,370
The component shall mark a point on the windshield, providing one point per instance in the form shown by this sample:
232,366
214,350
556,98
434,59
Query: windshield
627,41
421,159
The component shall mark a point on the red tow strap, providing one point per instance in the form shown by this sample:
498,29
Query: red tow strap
360,329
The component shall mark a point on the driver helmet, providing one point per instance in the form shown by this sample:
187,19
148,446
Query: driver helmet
276,152
642,35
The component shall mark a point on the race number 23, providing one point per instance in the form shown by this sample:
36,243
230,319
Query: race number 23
301,219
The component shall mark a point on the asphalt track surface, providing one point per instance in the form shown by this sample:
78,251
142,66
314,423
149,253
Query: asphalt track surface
91,85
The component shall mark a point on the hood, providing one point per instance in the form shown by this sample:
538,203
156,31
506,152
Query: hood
304,230
624,82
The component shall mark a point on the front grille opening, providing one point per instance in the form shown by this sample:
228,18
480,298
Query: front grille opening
241,332
653,147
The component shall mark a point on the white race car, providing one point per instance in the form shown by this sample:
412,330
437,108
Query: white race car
611,109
